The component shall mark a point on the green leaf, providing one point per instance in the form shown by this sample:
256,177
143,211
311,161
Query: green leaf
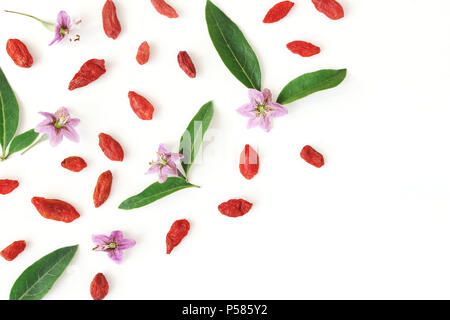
155,192
39,278
310,83
9,113
192,138
233,48
22,141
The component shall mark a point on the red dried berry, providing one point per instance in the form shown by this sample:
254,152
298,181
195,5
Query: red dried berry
90,71
8,186
19,53
55,209
177,232
99,287
235,208
143,53
278,12
331,8
186,64
303,48
312,156
111,23
141,106
163,8
103,188
75,164
13,250
110,147
249,162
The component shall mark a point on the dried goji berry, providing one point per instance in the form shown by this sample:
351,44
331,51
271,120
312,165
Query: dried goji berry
312,156
13,250
19,53
8,186
55,209
186,64
249,162
99,287
90,71
143,53
103,188
177,232
141,106
331,8
110,147
75,164
111,23
303,48
163,8
235,207
278,12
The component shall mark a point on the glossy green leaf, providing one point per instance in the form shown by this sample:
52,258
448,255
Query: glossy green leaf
233,48
192,138
310,83
22,141
155,192
39,278
9,113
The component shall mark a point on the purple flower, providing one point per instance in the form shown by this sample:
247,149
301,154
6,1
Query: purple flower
114,244
58,125
261,109
165,164
62,27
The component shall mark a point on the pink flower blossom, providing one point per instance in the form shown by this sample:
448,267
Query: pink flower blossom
165,164
113,245
58,125
261,109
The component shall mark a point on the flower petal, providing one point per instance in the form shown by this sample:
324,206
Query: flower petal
267,96
63,20
116,255
58,36
175,156
50,116
70,133
153,169
56,137
74,122
169,170
277,110
116,236
126,244
265,124
162,176
253,122
256,97
100,240
45,127
246,110
162,149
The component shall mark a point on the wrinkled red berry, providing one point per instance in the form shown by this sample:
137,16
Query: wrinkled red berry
177,232
8,186
312,156
13,250
235,208
303,48
278,12
249,162
75,164
99,287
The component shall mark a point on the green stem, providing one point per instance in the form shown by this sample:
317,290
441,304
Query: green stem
41,139
48,25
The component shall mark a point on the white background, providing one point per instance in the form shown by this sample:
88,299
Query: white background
372,223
